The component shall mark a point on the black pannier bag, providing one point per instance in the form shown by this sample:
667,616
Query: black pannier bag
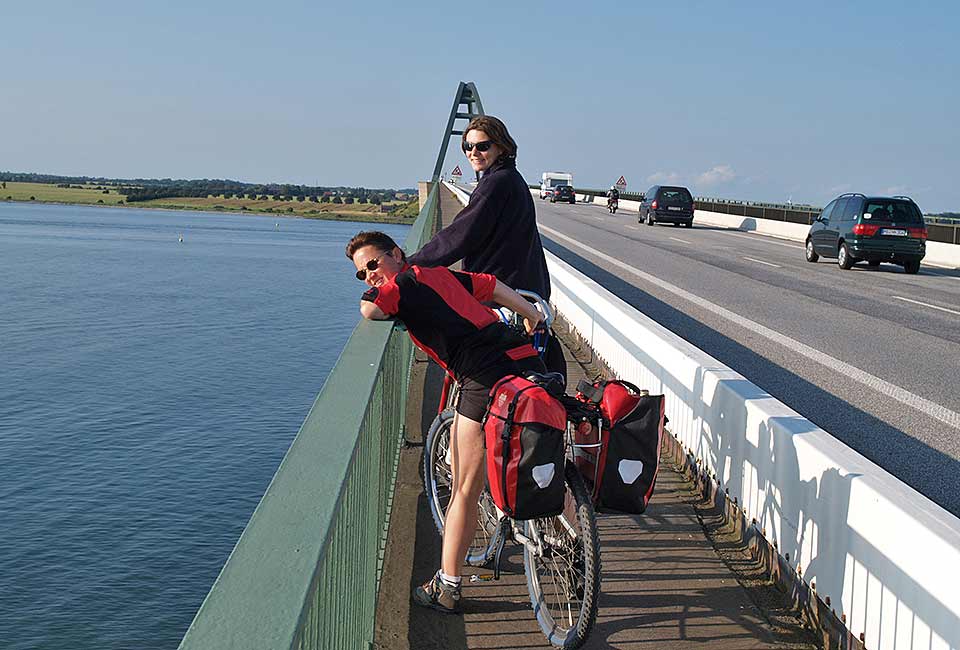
523,432
622,465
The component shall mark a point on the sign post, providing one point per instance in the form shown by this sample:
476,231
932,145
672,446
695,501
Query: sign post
455,175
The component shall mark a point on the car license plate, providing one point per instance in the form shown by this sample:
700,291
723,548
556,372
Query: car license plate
896,232
674,208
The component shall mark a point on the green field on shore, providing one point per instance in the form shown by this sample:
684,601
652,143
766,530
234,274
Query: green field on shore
86,194
107,195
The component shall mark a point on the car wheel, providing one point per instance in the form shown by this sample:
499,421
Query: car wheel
650,219
844,259
811,252
911,267
873,263
689,224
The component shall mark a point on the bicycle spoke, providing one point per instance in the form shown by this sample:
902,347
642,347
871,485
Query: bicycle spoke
563,582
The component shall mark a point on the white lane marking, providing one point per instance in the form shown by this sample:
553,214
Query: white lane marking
926,304
930,408
681,240
763,239
776,266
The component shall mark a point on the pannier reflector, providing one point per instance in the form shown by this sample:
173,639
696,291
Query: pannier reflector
630,470
543,474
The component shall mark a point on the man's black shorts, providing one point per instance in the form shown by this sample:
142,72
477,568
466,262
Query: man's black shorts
474,391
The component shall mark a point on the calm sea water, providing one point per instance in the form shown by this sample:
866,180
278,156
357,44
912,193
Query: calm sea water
148,390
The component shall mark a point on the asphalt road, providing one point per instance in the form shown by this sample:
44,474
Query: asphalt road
870,355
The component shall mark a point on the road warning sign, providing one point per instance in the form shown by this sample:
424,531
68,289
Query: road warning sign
456,171
621,184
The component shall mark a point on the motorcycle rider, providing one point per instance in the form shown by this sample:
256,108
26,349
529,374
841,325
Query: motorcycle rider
613,196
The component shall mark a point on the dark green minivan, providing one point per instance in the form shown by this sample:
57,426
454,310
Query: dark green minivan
856,228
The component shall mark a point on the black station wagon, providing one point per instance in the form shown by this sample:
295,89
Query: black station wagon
662,203
563,193
854,228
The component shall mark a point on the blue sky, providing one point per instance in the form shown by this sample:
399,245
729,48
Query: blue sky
761,101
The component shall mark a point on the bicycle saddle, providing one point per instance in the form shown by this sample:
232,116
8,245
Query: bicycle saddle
552,382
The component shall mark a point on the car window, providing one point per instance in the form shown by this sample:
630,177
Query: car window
890,210
827,210
851,210
675,194
651,193
838,209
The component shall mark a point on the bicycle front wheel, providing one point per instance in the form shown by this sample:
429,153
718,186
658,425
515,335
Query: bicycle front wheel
438,484
563,569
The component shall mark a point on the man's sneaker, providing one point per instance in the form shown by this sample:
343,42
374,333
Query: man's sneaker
433,593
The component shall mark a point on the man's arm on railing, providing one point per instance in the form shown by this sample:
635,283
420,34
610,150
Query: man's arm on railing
371,312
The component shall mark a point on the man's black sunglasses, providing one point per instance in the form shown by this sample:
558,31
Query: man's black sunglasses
372,265
481,146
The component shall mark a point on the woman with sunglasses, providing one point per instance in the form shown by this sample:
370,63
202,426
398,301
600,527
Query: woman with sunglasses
444,316
496,232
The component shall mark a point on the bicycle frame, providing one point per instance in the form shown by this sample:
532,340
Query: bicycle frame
448,382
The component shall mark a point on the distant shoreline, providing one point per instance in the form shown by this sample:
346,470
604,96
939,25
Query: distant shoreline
364,217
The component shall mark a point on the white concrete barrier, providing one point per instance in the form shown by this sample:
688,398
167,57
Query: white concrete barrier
887,556
787,230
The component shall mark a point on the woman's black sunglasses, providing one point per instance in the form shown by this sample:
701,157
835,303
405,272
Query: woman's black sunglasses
372,265
481,146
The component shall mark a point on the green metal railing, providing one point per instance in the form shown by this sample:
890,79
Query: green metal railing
306,570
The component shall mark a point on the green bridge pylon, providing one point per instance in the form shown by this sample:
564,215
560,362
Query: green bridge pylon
468,96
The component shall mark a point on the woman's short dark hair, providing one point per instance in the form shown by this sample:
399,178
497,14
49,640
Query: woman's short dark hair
495,130
381,240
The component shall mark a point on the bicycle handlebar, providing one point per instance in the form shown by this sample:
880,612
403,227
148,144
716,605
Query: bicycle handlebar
542,306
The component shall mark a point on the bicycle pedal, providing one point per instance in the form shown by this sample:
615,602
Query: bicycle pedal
479,578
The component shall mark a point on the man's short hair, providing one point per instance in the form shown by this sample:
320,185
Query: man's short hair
380,240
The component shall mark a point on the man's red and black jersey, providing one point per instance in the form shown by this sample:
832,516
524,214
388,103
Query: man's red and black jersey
442,311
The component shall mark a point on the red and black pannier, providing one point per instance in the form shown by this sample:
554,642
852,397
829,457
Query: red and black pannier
621,466
523,431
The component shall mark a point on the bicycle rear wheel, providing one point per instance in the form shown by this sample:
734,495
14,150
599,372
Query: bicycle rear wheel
438,483
564,579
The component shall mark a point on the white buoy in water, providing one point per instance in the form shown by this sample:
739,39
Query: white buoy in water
277,226
181,239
